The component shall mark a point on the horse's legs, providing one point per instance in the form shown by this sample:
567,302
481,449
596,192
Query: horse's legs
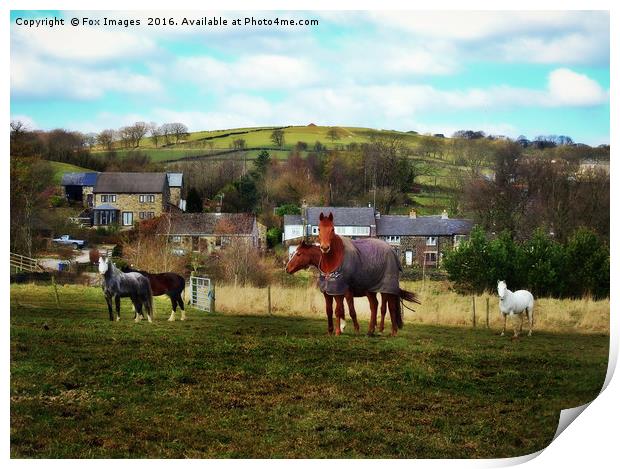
339,313
352,313
393,305
504,329
181,304
530,318
329,311
117,300
174,307
108,300
372,300
514,327
383,311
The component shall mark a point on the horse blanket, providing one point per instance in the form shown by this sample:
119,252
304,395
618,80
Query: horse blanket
369,264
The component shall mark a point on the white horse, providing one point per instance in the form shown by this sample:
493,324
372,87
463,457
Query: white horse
515,303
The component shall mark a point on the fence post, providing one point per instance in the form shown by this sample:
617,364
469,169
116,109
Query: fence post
56,292
473,306
212,297
269,299
487,312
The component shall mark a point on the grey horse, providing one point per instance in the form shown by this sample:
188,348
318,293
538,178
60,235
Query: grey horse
133,285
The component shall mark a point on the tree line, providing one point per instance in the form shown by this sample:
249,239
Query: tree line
548,268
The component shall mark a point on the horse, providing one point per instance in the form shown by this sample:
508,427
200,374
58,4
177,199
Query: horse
166,283
368,264
117,285
310,255
513,303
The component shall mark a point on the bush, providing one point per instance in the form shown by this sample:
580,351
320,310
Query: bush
57,201
542,265
274,236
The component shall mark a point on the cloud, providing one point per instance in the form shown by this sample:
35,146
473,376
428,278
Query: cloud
568,88
248,72
28,121
37,78
83,44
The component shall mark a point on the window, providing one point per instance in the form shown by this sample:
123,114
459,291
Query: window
431,240
146,215
108,198
147,198
176,239
430,258
127,218
392,239
315,230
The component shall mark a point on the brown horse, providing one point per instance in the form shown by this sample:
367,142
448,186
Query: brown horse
166,283
366,265
306,255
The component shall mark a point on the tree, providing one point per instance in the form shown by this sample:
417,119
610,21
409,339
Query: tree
277,137
194,201
179,131
137,132
156,134
106,138
334,133
262,162
239,144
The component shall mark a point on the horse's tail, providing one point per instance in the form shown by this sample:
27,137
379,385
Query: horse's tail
399,313
409,296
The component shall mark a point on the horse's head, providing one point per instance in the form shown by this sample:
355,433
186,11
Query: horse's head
103,265
305,255
327,233
501,288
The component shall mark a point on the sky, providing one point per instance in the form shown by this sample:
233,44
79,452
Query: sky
504,72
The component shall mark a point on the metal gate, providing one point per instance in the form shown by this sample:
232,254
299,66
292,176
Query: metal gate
202,293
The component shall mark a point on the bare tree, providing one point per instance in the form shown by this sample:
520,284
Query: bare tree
138,131
156,134
106,138
277,137
179,131
239,144
334,133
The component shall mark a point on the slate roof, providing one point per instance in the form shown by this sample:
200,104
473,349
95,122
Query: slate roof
344,216
403,225
210,224
106,207
130,183
79,179
293,220
175,179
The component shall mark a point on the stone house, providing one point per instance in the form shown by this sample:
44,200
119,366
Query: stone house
206,232
175,183
418,241
78,187
127,198
422,241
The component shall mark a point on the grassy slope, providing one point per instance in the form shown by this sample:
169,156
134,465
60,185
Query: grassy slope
61,168
255,386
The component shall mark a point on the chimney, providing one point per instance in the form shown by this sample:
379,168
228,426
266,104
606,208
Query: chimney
413,214
444,215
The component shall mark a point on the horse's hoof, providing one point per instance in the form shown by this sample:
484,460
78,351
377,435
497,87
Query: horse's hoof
172,319
502,334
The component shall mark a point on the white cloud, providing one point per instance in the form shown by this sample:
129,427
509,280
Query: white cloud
28,121
249,72
32,77
567,88
83,44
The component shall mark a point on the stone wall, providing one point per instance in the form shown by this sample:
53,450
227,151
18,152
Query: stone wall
131,203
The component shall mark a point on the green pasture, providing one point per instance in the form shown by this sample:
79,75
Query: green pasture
218,386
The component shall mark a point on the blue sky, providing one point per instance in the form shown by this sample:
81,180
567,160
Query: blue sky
509,73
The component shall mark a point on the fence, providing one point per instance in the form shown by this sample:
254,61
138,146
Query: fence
202,293
24,264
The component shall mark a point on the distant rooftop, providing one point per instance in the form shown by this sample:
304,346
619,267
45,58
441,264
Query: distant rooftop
210,224
79,179
131,183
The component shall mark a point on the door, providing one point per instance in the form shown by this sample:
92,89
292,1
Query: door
127,218
408,257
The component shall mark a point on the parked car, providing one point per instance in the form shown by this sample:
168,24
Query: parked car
67,241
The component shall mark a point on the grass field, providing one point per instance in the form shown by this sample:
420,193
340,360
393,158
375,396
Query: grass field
61,168
230,385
